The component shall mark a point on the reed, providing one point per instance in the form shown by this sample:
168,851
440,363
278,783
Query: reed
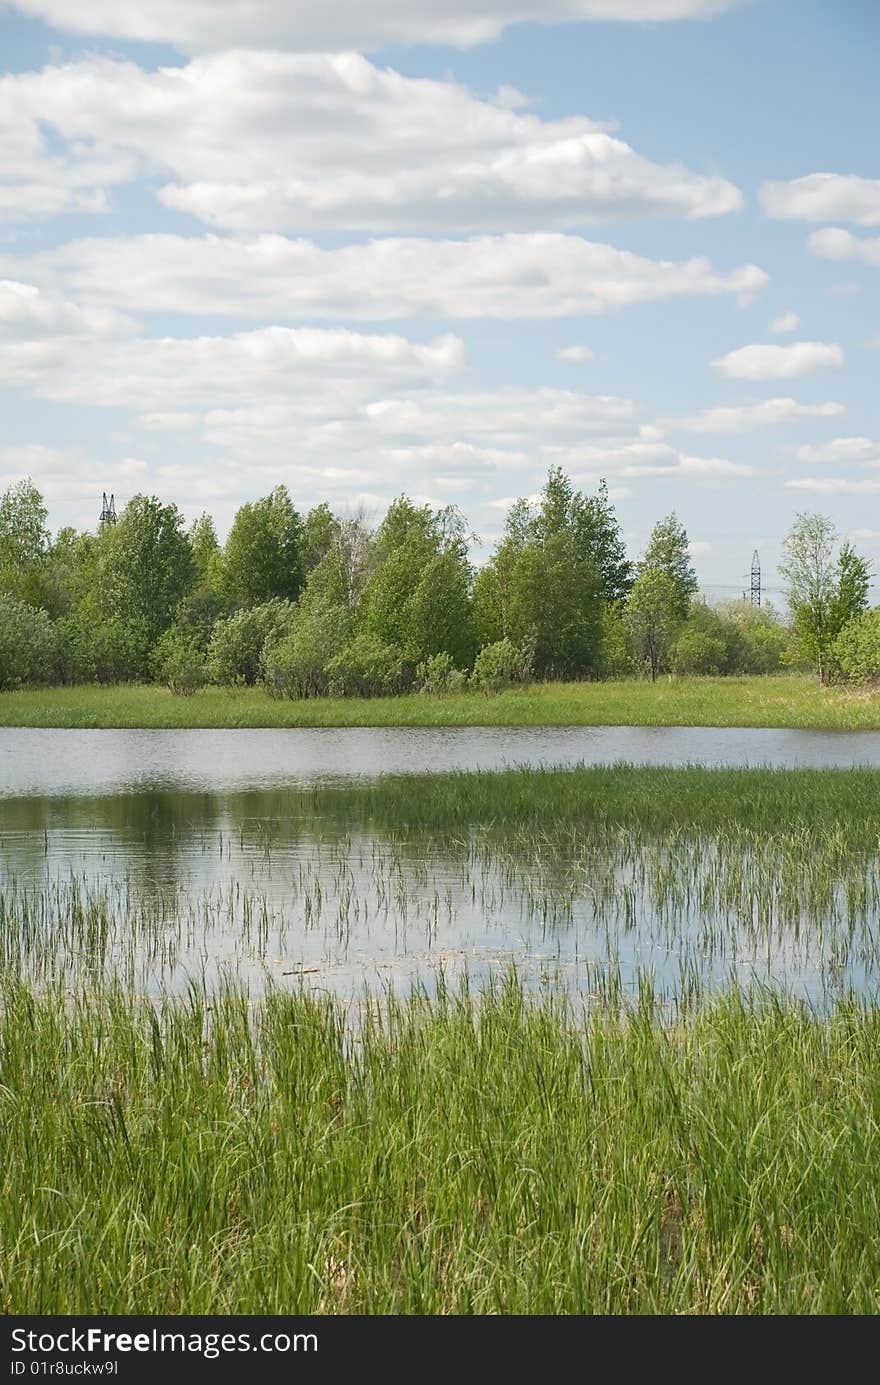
498,1154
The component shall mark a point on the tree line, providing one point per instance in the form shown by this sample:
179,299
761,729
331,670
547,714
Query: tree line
320,604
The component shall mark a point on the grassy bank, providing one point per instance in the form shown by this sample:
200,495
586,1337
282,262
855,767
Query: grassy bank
790,701
446,1156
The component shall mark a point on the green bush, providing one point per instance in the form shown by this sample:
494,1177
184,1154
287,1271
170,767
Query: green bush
296,664
764,642
102,651
438,674
698,651
857,648
28,644
367,667
235,650
499,666
178,660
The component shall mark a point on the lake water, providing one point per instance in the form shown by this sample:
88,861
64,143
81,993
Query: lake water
50,762
168,855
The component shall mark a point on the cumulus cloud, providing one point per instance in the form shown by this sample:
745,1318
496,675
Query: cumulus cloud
833,243
763,361
824,197
751,416
862,451
264,141
198,25
786,322
27,314
541,274
266,364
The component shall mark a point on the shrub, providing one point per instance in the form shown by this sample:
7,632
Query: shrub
236,647
178,660
698,651
296,664
438,674
857,648
28,644
499,666
367,667
764,642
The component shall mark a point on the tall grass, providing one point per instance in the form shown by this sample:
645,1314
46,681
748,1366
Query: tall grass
795,701
448,1156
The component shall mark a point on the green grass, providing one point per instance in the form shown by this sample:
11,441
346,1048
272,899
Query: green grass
446,1156
639,798
795,701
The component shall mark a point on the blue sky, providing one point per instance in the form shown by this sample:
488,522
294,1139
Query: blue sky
230,257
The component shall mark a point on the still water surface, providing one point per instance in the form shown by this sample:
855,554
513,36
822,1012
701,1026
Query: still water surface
44,762
172,855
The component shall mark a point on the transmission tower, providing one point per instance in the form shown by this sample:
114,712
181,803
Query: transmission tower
108,510
755,592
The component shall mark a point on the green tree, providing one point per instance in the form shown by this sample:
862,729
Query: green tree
24,538
263,558
593,525
319,533
148,566
24,543
857,648
652,619
439,612
205,548
206,601
668,552
69,576
542,588
824,594
418,598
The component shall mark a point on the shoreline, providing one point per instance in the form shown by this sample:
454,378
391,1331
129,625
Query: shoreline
792,701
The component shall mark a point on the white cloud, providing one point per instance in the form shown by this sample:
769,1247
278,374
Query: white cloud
824,197
862,451
27,314
833,243
541,274
763,361
468,445
833,485
748,417
786,322
277,142
270,363
575,354
638,459
197,25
